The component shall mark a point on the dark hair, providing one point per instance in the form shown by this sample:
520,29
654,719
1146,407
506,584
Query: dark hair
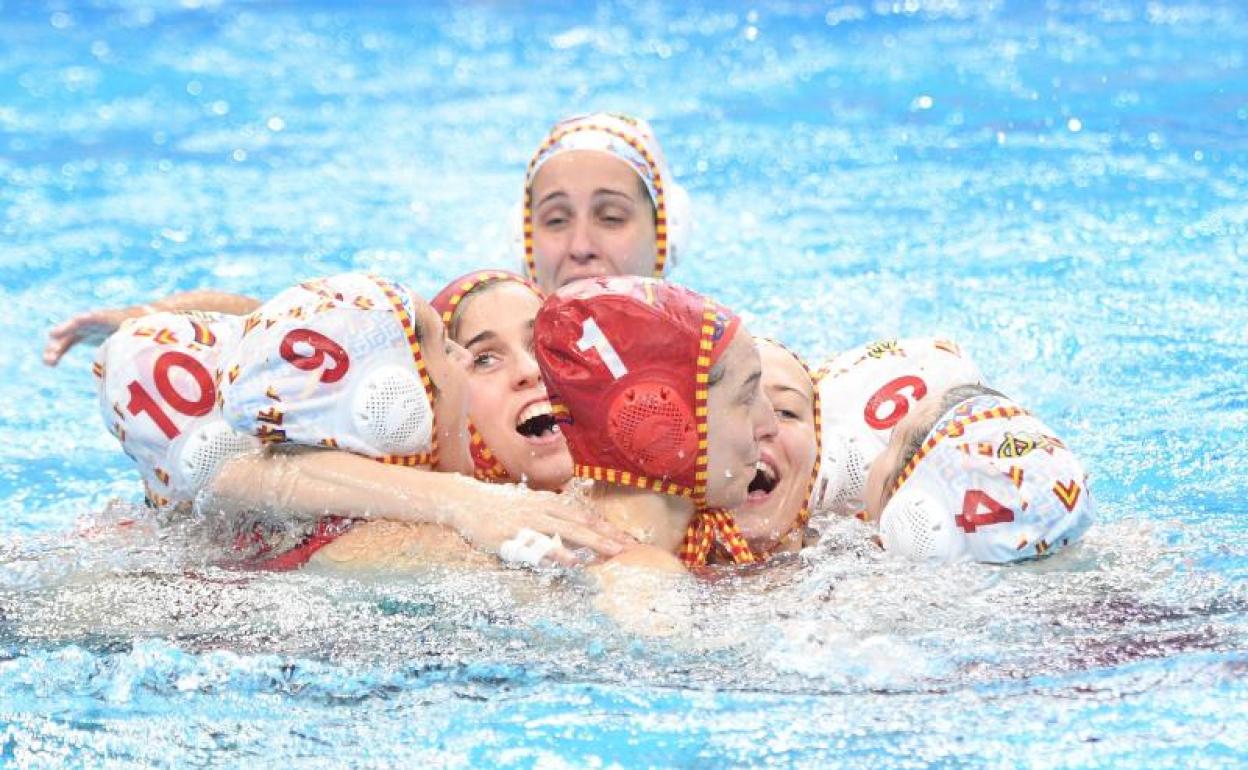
913,441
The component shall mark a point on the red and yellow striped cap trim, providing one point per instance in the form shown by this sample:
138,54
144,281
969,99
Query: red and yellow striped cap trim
473,281
955,427
660,195
709,527
708,523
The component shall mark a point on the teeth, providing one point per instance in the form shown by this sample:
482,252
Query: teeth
533,410
766,470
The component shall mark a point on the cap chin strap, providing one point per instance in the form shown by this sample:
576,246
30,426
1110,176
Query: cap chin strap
710,527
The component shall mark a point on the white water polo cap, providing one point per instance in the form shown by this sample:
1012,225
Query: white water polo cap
863,394
158,396
334,362
990,483
633,141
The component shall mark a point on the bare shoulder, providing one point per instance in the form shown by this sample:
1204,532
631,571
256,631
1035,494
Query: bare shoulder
645,557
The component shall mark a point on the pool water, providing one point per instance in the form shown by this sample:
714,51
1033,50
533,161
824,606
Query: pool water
1060,186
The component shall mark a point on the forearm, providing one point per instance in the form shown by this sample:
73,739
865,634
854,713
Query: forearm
206,299
312,483
316,482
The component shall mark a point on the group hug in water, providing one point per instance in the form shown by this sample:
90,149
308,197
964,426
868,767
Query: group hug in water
586,413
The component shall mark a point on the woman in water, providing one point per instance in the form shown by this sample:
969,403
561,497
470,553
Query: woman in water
351,362
777,508
969,474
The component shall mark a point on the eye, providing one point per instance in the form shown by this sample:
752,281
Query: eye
787,414
485,359
613,217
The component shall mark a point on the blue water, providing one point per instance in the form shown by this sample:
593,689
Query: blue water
1061,186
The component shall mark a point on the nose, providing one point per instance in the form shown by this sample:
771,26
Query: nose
581,248
765,425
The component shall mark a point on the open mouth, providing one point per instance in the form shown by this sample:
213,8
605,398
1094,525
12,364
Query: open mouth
537,421
766,479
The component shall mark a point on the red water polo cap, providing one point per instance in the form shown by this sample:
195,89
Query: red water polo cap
627,363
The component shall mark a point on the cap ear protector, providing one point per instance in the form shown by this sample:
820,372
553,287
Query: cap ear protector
842,477
914,526
203,451
651,422
391,412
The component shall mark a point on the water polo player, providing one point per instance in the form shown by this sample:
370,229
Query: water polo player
514,437
660,392
970,475
599,200
331,363
774,515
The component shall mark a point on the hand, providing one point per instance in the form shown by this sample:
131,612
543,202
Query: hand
93,326
569,519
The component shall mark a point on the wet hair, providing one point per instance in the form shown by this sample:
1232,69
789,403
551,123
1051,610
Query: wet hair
913,441
715,374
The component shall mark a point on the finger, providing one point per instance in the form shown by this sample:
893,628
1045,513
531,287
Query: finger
584,536
56,349
560,557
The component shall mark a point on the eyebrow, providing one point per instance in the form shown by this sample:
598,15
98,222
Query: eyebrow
485,335
751,382
600,191
789,389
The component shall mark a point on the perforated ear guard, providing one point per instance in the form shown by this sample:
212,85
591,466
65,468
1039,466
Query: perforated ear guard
679,225
391,412
201,453
916,527
651,422
843,468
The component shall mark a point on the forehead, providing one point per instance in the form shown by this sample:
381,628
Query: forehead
584,169
740,358
782,370
502,303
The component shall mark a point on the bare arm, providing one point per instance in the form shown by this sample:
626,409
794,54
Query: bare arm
642,590
95,325
315,483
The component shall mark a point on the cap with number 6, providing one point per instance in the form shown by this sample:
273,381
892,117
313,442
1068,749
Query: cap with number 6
866,391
